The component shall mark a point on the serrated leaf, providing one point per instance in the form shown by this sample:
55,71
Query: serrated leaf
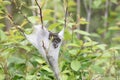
75,65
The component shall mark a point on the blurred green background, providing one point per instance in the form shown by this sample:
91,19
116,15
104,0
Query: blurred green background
91,46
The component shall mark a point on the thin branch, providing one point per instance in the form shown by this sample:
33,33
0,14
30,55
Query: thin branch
20,11
106,12
78,15
48,57
41,17
11,20
85,5
106,16
66,13
46,51
88,15
24,16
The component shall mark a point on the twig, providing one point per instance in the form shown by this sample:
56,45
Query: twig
85,5
106,16
89,16
66,13
50,59
11,19
20,11
24,16
78,15
46,51
41,17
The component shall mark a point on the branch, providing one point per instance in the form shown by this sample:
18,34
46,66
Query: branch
85,5
20,11
88,15
50,60
11,20
46,51
41,17
66,13
106,13
24,16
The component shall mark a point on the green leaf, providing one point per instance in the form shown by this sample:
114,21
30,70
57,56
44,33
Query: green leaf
1,12
47,68
2,25
101,46
91,43
83,21
39,60
73,52
82,32
71,3
33,19
6,2
75,65
2,36
73,45
87,38
16,60
97,3
97,69
114,1
64,77
30,77
114,28
54,25
1,17
67,35
33,7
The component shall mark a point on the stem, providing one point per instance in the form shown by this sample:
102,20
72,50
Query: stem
41,17
78,15
88,16
66,13
106,15
55,10
7,23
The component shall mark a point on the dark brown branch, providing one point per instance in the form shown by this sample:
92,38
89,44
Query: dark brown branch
41,17
46,51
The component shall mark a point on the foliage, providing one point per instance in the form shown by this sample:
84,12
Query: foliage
90,57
